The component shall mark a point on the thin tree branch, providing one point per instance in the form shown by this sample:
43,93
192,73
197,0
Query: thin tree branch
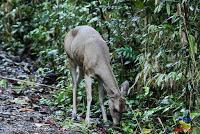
104,19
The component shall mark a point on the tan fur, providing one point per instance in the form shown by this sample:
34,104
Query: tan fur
88,56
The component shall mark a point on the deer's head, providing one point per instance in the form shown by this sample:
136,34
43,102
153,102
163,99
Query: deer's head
117,104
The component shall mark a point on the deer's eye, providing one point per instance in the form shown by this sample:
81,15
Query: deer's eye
116,111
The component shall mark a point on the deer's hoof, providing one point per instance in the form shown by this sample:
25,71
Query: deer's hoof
74,116
87,120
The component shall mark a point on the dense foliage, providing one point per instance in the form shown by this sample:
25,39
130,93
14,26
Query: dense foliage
153,44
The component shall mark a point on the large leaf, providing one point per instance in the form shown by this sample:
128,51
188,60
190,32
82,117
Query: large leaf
193,47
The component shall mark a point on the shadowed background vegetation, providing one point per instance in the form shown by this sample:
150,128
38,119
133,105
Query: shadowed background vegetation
154,44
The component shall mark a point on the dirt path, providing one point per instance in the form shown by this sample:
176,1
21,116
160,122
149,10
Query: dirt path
20,111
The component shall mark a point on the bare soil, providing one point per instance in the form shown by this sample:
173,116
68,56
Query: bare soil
20,111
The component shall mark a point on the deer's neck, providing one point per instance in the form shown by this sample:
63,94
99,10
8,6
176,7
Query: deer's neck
110,83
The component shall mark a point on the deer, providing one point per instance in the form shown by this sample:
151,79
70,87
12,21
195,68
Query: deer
88,56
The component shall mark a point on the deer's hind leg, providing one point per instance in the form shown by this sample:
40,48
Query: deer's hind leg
88,84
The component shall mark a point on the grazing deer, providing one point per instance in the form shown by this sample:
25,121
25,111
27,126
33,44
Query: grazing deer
88,56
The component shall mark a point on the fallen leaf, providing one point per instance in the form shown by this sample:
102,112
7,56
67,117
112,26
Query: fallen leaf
41,124
21,101
1,91
26,110
50,122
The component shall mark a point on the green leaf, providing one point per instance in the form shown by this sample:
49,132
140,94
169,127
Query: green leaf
193,47
95,19
194,114
168,9
146,131
3,83
20,101
146,90
160,79
158,8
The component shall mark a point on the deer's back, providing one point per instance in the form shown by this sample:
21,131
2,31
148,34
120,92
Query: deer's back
85,46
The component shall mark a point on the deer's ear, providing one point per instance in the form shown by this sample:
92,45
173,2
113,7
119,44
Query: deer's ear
124,88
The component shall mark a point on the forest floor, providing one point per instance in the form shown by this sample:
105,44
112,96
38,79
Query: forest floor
20,110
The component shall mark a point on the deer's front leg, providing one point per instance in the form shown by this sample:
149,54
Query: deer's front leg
88,84
101,98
